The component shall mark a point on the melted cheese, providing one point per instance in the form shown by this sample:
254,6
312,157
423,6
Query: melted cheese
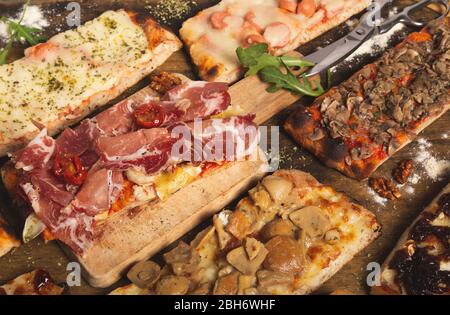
231,111
168,183
164,184
57,78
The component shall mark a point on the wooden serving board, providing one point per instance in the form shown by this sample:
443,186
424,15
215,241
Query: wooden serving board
250,94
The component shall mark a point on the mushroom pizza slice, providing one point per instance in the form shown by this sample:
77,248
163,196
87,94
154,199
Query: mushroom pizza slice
288,236
358,125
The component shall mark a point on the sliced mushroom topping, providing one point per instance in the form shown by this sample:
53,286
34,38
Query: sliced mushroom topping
226,270
354,101
278,227
267,278
144,274
238,258
202,289
182,259
304,242
172,285
246,282
240,225
203,238
285,255
325,103
278,188
312,220
338,129
227,285
398,114
181,253
261,197
252,247
220,221
317,135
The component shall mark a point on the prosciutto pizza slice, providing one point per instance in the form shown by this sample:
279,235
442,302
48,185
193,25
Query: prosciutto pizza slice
289,236
215,33
358,125
37,282
133,154
420,262
59,82
7,240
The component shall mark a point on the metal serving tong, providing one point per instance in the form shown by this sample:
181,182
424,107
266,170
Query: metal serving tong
369,25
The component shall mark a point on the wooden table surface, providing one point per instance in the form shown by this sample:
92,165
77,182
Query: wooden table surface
395,216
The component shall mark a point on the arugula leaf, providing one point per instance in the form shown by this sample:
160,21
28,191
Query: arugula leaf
28,33
17,31
4,52
288,81
256,58
248,56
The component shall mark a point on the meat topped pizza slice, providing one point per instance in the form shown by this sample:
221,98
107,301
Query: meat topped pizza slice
358,125
37,282
289,236
59,82
132,155
7,239
214,34
420,263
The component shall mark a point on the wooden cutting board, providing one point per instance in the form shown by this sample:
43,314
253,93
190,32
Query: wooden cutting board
395,216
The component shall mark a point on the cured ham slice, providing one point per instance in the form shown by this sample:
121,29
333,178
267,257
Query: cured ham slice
154,150
43,188
203,99
147,148
116,120
99,191
36,154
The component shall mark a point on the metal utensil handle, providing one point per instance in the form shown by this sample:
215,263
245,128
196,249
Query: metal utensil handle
405,15
339,50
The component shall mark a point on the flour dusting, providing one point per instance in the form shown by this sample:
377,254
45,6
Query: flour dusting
377,198
34,17
432,166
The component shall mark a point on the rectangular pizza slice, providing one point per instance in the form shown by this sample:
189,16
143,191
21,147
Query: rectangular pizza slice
214,34
289,236
7,239
36,282
420,262
358,125
59,82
